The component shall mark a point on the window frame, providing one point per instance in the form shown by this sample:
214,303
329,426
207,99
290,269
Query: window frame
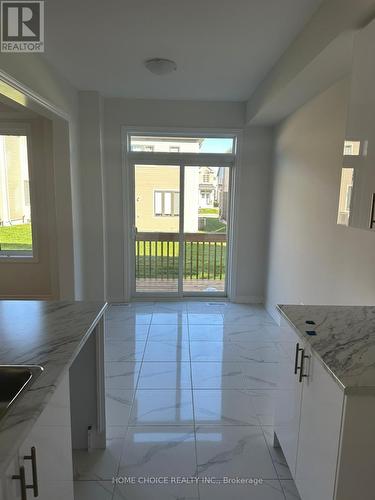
172,192
24,256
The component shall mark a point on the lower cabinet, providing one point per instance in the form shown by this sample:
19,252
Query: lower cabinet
319,432
288,404
327,435
45,457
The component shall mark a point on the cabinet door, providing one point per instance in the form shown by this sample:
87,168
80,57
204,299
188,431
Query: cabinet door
319,436
288,401
10,488
51,438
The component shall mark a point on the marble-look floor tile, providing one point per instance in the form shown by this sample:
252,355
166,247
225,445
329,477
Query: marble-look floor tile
260,352
122,375
162,407
167,375
98,465
290,490
124,351
218,375
162,333
170,350
93,490
118,406
167,307
278,459
169,318
223,407
126,332
206,333
261,375
132,316
267,490
158,451
247,318
239,452
264,401
156,492
208,318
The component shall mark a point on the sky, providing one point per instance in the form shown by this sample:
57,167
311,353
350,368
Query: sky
216,145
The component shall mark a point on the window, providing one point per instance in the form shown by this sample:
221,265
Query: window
15,207
166,203
206,178
348,198
169,143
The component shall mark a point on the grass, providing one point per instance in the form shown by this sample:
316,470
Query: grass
203,211
16,237
214,226
200,260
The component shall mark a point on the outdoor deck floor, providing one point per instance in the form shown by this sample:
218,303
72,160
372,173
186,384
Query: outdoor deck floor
170,285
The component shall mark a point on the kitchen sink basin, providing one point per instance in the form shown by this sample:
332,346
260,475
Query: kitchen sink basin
14,379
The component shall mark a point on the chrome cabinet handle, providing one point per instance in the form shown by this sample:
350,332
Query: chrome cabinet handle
296,367
32,457
301,374
22,479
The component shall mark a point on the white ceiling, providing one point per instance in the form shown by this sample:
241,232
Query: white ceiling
223,48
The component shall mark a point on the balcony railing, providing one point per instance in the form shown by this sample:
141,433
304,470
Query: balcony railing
157,256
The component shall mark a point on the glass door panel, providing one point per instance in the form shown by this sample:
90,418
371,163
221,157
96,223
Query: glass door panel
157,224
206,202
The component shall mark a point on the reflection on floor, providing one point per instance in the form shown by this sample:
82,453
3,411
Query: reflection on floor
190,388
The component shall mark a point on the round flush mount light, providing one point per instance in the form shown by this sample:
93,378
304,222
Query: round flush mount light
160,66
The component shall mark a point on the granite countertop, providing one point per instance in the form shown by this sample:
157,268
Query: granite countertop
344,341
49,334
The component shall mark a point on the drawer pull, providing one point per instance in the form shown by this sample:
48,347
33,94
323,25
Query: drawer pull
301,374
32,457
22,479
296,367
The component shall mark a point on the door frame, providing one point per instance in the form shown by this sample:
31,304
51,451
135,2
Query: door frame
130,159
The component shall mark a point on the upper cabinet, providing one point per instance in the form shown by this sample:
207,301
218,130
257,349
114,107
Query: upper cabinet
357,187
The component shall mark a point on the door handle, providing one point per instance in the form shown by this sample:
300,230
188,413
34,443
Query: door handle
301,374
32,457
22,479
296,367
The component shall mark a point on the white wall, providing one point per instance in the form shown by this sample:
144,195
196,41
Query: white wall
253,184
311,259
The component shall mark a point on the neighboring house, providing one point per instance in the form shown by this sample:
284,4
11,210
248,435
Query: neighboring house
14,181
158,188
223,192
207,187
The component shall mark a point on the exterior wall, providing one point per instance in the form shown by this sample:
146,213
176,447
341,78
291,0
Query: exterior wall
312,260
147,181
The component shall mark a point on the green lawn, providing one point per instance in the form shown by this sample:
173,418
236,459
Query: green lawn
16,237
203,211
214,226
202,261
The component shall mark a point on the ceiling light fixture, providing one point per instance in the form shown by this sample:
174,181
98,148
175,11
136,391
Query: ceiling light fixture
160,66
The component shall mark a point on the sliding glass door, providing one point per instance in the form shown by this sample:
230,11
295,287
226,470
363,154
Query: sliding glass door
180,212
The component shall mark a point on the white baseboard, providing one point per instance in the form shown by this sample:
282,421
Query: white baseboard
248,299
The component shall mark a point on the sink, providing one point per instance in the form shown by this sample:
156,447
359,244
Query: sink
14,379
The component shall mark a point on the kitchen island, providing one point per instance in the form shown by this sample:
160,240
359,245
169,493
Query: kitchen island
64,407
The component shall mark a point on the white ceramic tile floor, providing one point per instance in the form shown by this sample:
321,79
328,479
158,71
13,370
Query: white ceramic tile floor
190,391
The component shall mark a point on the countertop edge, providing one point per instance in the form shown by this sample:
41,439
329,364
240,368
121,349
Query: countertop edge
25,426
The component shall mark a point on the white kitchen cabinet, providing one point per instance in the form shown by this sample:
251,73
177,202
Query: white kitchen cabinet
327,435
357,189
288,399
319,432
50,437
